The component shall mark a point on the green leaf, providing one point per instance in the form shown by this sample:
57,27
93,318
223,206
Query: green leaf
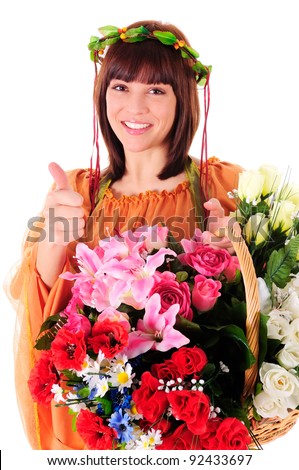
93,56
263,338
84,392
106,405
108,42
234,333
281,263
192,51
93,43
108,30
208,370
137,31
165,37
181,276
44,342
132,39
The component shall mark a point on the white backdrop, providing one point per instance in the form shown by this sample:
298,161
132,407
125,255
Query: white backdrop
46,110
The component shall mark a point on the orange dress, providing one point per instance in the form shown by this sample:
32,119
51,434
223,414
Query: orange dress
51,428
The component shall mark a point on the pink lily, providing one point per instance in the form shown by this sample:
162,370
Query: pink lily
155,330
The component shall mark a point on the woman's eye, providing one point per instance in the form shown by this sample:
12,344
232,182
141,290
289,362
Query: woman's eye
119,87
156,91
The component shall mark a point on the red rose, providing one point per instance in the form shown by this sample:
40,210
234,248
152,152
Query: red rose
150,402
192,407
108,336
167,370
207,260
172,292
68,349
42,377
189,361
163,425
181,439
95,434
205,293
232,434
208,440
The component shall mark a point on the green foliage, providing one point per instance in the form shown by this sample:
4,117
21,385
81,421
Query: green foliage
108,30
52,325
165,37
281,263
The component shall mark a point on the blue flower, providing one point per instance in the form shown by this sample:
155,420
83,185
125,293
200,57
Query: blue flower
121,424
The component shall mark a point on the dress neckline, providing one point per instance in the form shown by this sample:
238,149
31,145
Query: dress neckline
148,193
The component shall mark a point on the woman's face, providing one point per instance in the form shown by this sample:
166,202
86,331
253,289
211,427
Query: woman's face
140,115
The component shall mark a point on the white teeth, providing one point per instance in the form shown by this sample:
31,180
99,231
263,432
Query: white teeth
135,125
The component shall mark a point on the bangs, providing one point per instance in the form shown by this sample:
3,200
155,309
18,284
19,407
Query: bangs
146,62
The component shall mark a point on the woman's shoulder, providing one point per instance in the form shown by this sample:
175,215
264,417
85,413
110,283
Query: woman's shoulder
222,177
215,163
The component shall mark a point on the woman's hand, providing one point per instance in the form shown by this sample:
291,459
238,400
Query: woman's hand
217,226
64,223
64,216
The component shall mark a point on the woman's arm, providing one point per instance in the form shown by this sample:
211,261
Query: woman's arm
64,223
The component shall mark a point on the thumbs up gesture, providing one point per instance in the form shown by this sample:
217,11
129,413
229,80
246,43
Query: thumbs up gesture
63,212
217,226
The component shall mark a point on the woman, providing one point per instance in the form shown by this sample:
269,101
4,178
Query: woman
146,97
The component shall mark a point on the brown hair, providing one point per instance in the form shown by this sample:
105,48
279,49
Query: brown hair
150,62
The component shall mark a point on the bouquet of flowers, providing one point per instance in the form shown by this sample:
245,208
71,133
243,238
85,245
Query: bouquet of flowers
144,355
268,211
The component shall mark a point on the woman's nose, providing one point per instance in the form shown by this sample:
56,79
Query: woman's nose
136,103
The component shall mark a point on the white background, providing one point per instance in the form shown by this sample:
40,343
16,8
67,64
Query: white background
46,113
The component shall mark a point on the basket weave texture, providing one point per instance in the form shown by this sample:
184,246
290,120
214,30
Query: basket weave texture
267,429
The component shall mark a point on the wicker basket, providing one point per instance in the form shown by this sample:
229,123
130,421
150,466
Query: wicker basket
267,429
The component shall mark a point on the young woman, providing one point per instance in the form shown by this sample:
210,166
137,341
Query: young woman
146,97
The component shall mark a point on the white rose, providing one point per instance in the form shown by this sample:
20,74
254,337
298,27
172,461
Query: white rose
250,185
293,335
272,178
264,296
278,327
293,285
268,406
279,383
291,303
288,357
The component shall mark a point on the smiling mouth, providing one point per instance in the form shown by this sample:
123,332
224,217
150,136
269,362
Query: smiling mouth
136,125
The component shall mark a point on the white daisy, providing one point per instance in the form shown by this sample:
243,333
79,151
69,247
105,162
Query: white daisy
121,376
76,407
102,387
58,393
149,441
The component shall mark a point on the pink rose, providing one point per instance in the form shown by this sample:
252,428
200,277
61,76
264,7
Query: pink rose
207,260
78,322
115,315
75,302
205,293
230,271
172,292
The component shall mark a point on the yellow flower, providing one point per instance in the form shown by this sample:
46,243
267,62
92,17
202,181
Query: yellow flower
250,185
290,193
272,178
179,43
122,36
257,229
282,215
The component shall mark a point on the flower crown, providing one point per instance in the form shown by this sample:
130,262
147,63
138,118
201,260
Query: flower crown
112,34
